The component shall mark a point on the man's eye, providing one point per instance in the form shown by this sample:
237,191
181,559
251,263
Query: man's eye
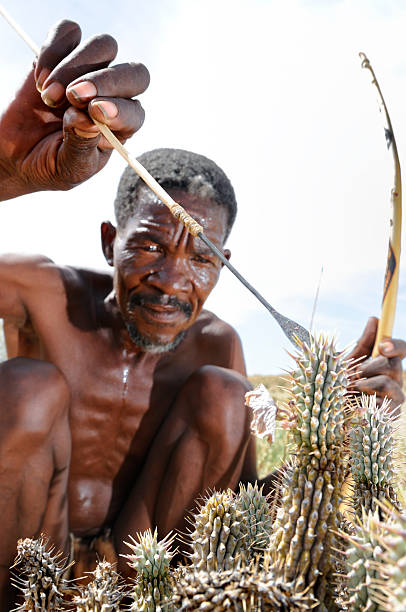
152,248
201,259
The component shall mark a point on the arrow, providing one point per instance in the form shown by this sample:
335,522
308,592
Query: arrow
291,329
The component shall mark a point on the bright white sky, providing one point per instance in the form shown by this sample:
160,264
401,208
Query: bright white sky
274,93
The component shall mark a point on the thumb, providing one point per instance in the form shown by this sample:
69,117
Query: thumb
365,344
79,157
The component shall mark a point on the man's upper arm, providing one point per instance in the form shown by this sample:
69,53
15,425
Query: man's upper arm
22,278
223,345
237,362
236,354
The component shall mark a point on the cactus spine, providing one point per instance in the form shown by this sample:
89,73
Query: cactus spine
302,541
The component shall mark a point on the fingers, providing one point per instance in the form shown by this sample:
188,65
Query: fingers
120,81
75,78
79,152
118,84
391,347
93,54
383,374
124,117
365,344
382,386
62,39
381,365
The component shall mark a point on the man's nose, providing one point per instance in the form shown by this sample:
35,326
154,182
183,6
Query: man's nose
172,276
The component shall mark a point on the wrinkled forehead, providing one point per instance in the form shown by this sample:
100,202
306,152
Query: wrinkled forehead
151,212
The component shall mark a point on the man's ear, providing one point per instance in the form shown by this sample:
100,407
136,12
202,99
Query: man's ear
108,234
227,255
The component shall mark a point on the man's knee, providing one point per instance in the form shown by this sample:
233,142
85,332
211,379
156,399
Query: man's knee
216,402
34,394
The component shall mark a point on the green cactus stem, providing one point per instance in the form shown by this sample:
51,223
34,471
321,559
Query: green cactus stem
218,538
371,455
365,563
393,542
255,507
151,559
303,541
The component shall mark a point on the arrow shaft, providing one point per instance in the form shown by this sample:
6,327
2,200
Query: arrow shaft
290,328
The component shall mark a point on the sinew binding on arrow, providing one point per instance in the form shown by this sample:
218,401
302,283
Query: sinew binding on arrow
391,283
291,329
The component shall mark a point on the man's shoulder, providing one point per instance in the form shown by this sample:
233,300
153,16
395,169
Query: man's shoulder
210,325
25,260
85,278
40,274
28,270
218,341
32,268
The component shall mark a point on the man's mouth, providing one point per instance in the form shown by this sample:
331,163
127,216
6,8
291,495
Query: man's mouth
160,307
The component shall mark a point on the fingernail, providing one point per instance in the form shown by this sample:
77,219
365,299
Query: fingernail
43,75
84,134
386,347
108,109
53,94
83,91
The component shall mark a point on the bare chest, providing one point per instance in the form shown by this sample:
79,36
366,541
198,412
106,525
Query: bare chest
117,406
116,411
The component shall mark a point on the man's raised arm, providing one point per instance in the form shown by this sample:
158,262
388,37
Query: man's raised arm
47,138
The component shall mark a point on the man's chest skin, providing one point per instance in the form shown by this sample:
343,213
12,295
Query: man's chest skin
117,406
118,402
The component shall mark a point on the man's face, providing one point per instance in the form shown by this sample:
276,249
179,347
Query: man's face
163,274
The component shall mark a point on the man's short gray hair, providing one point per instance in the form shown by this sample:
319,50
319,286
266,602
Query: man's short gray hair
176,169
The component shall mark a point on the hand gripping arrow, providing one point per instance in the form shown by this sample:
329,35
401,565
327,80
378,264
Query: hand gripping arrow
291,329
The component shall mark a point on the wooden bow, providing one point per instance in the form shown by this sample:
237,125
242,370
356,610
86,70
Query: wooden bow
391,282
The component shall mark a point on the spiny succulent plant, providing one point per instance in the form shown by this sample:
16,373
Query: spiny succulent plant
400,459
219,533
302,542
245,589
257,512
371,455
365,564
151,560
41,576
392,539
103,593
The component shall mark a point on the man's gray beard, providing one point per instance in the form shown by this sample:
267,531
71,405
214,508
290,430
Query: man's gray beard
151,346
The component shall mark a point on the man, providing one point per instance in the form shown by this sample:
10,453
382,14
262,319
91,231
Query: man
124,400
